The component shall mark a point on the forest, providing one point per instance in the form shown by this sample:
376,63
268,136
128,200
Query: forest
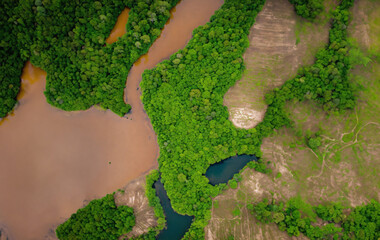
100,219
296,216
10,59
183,97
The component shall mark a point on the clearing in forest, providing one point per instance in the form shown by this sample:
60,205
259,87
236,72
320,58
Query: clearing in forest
280,42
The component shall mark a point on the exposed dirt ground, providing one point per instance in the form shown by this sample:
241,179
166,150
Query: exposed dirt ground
344,168
280,42
133,195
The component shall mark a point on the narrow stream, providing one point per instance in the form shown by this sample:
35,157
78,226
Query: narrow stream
177,225
51,160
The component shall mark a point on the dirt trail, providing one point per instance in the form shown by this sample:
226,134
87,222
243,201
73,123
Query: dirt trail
272,58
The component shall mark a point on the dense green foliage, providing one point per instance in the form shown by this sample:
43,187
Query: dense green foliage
363,222
296,216
183,96
100,219
68,42
11,61
308,9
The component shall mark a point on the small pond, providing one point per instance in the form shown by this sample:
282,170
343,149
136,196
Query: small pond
224,170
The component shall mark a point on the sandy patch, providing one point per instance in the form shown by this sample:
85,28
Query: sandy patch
246,117
133,195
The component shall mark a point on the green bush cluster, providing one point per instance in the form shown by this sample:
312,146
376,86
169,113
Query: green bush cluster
308,9
68,41
296,216
100,219
259,166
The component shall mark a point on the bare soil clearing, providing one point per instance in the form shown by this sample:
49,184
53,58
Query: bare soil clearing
280,42
133,195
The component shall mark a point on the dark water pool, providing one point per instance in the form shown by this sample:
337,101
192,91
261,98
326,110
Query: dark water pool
221,172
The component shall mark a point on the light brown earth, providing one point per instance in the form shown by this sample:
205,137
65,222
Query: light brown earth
133,195
280,42
244,226
52,161
345,168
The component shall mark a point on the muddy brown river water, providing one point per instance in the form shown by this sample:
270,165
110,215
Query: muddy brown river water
51,161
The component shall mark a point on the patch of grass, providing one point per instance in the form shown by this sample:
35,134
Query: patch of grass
241,196
216,204
236,212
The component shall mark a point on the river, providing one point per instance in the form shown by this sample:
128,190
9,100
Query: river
52,161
